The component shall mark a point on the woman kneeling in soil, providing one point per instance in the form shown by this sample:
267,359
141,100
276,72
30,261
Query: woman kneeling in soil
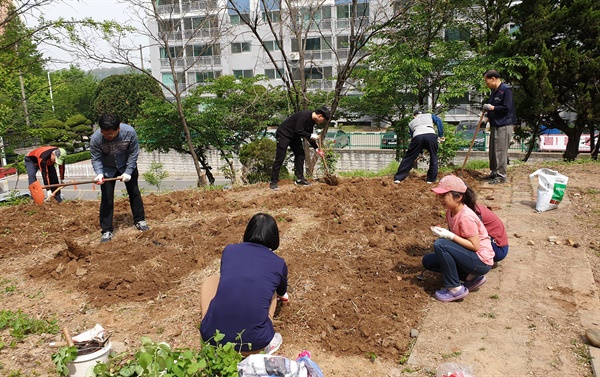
465,251
241,302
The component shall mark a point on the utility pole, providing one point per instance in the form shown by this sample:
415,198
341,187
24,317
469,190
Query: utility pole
141,57
50,87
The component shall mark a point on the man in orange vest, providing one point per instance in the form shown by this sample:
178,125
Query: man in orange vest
44,159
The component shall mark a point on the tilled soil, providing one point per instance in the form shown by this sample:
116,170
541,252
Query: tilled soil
353,251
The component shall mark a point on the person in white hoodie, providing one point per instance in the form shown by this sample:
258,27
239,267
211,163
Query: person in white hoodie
423,136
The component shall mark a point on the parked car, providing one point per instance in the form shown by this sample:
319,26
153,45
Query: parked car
339,138
465,132
389,140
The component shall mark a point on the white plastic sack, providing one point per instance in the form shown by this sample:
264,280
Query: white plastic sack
551,188
454,370
261,365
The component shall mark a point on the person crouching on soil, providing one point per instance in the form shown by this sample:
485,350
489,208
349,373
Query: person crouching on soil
242,300
465,251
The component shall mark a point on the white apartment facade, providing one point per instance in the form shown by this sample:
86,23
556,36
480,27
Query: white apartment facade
207,39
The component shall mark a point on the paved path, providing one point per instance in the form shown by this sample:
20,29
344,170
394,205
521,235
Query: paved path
530,317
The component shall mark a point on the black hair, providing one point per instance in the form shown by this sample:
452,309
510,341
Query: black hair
492,73
324,111
262,229
109,122
469,198
417,112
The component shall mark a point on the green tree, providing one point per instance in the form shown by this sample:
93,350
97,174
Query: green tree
22,92
560,85
124,95
81,129
73,92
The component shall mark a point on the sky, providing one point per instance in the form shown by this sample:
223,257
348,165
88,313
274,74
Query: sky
98,10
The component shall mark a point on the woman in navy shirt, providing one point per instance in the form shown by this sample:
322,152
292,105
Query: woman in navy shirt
241,302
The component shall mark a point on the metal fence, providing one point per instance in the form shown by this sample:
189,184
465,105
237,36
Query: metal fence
389,140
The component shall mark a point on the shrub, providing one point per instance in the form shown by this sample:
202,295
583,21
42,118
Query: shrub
257,158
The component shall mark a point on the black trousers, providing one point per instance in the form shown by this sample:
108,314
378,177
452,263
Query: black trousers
107,203
297,149
429,142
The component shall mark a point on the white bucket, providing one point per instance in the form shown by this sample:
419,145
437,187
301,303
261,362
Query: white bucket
83,366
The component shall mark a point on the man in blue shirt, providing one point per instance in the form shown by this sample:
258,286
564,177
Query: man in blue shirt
423,136
114,148
502,116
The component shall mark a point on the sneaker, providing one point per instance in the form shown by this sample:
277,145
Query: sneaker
142,226
471,285
273,186
445,295
430,182
497,180
302,182
490,176
397,181
274,345
107,236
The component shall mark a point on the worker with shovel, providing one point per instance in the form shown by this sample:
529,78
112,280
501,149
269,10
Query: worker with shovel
44,159
114,148
289,134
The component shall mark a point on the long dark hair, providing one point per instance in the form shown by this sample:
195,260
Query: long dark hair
469,198
262,229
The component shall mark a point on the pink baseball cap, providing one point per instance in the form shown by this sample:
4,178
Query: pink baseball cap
450,183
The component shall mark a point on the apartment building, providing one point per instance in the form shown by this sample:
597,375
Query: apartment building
209,38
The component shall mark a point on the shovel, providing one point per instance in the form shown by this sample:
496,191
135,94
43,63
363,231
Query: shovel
331,180
37,190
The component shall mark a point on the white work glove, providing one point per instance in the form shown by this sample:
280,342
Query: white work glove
441,140
125,177
314,136
99,179
443,233
284,298
488,107
485,120
49,194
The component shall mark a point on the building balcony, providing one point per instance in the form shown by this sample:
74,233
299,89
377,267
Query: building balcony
200,33
344,23
211,61
199,6
168,9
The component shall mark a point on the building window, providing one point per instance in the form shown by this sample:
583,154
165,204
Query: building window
207,76
271,46
313,44
273,15
237,19
273,74
314,73
174,52
345,11
200,50
243,74
239,47
456,34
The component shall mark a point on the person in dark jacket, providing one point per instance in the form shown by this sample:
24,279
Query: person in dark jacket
241,302
502,116
114,148
44,159
289,134
423,136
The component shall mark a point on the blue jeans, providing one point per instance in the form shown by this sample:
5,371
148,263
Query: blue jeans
454,262
499,252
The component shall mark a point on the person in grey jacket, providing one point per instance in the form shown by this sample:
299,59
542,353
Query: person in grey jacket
423,136
114,148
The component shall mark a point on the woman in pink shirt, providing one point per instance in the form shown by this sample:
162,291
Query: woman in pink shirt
464,252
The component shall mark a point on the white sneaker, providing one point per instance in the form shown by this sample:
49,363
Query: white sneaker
274,345
396,181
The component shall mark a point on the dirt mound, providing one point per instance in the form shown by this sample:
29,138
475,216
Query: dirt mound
353,251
